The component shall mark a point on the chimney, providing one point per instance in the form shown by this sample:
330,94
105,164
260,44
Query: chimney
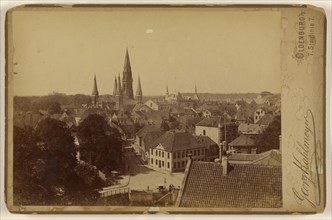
224,164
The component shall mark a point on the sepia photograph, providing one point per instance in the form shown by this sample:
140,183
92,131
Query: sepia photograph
177,107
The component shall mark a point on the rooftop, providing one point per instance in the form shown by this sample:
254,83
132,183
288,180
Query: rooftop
245,186
177,141
244,140
212,121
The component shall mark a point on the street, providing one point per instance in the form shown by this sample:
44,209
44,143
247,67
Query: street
142,177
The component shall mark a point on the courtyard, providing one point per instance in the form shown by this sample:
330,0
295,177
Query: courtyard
140,177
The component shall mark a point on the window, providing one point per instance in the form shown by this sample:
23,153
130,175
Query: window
179,156
168,165
183,163
156,162
174,155
168,156
163,154
159,153
174,165
179,165
151,151
204,133
151,161
194,152
162,164
199,152
183,154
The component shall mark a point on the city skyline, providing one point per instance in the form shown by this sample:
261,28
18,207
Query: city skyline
62,52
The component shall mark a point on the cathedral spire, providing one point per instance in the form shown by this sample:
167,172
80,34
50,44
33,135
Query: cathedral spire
119,94
119,86
195,89
95,87
127,78
139,93
115,89
167,89
95,93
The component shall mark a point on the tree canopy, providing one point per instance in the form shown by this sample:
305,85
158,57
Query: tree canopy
100,144
269,139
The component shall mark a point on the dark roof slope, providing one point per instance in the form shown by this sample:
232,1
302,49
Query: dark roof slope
177,141
150,137
266,119
212,121
244,140
147,129
245,186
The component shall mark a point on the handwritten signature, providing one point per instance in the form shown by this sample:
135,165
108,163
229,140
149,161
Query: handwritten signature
306,158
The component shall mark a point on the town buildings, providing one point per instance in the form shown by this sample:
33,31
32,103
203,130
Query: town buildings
170,152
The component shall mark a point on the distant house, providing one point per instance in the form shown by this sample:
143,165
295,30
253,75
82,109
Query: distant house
266,120
222,185
258,114
177,111
141,107
188,123
245,143
29,118
215,127
122,117
171,151
157,117
144,138
248,128
152,105
268,158
190,112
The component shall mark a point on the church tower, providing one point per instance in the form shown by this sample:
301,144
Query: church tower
196,95
115,89
95,93
139,93
127,78
167,93
119,94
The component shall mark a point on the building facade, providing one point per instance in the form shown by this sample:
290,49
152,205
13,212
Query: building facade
171,151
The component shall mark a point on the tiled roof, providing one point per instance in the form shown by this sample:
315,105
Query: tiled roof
177,141
244,140
212,121
266,119
245,186
205,140
147,129
150,137
268,158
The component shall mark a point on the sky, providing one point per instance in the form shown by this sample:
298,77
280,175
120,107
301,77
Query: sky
221,51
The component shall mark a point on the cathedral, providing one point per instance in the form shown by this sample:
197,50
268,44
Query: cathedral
123,89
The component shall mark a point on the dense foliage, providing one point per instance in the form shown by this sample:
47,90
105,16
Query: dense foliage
46,171
270,138
100,144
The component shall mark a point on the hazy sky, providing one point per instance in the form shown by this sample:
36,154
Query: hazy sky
220,51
